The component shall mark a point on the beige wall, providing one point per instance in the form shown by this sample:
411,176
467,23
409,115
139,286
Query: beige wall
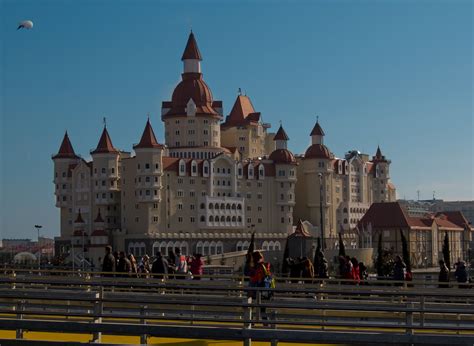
192,131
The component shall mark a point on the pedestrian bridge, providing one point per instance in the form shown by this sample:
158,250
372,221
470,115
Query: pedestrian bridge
91,308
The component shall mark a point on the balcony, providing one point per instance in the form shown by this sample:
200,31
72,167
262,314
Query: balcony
149,198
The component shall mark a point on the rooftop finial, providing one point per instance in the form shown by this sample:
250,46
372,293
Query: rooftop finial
240,91
317,118
281,123
104,120
148,116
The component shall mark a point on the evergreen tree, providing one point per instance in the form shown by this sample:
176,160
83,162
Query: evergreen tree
286,255
342,248
379,261
316,255
446,252
405,252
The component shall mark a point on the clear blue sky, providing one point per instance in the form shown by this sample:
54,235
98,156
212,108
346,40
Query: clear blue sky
394,73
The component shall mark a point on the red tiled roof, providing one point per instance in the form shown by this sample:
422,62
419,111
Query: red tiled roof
269,168
105,144
445,223
317,151
191,51
99,233
300,231
317,130
385,215
242,113
456,217
281,135
78,233
79,218
66,151
282,156
148,139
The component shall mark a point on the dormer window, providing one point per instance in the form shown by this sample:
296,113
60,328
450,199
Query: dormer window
193,168
250,171
191,108
261,172
182,168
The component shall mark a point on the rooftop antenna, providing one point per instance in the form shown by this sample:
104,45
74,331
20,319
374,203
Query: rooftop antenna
434,192
240,92
418,193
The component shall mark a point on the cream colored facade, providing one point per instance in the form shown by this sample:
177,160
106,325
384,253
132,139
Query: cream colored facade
209,186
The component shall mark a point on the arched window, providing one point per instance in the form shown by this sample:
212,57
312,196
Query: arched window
233,206
271,245
277,246
211,218
184,248
228,219
219,248
169,247
238,246
212,248
216,206
227,206
199,247
234,219
222,206
163,248
261,172
239,170
205,168
239,206
345,210
211,206
239,218
250,171
182,167
194,168
345,220
203,218
265,246
203,206
245,245
155,248
205,248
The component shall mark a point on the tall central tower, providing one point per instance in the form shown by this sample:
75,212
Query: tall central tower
192,118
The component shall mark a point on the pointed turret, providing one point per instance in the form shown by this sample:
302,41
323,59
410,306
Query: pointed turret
191,52
281,138
192,56
79,220
148,139
105,145
317,134
66,151
99,218
379,156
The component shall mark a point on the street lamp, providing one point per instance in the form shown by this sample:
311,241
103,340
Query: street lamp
321,209
38,227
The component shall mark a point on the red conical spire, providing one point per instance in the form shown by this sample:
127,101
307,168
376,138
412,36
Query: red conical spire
317,130
66,150
105,144
281,135
191,51
148,139
79,218
99,219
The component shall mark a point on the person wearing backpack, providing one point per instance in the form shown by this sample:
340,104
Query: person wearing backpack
261,276
181,264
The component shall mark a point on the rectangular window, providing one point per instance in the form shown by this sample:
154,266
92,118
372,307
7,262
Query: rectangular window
180,206
180,219
180,193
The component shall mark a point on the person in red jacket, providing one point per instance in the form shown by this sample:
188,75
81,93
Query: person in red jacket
356,270
196,266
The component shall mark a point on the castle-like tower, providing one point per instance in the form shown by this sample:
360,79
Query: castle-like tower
210,185
345,187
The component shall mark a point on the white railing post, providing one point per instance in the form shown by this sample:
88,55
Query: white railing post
248,320
19,308
143,313
98,310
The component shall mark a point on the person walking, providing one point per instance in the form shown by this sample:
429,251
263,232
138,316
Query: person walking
259,273
108,264
356,270
363,273
461,275
124,266
133,264
144,266
159,267
443,274
308,270
399,270
181,265
196,266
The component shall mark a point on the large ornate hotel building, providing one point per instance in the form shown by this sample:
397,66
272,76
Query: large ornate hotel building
213,182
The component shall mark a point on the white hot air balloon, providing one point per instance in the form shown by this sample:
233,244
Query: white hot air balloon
26,24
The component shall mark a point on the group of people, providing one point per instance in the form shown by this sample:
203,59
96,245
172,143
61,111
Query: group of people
351,269
175,266
461,274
